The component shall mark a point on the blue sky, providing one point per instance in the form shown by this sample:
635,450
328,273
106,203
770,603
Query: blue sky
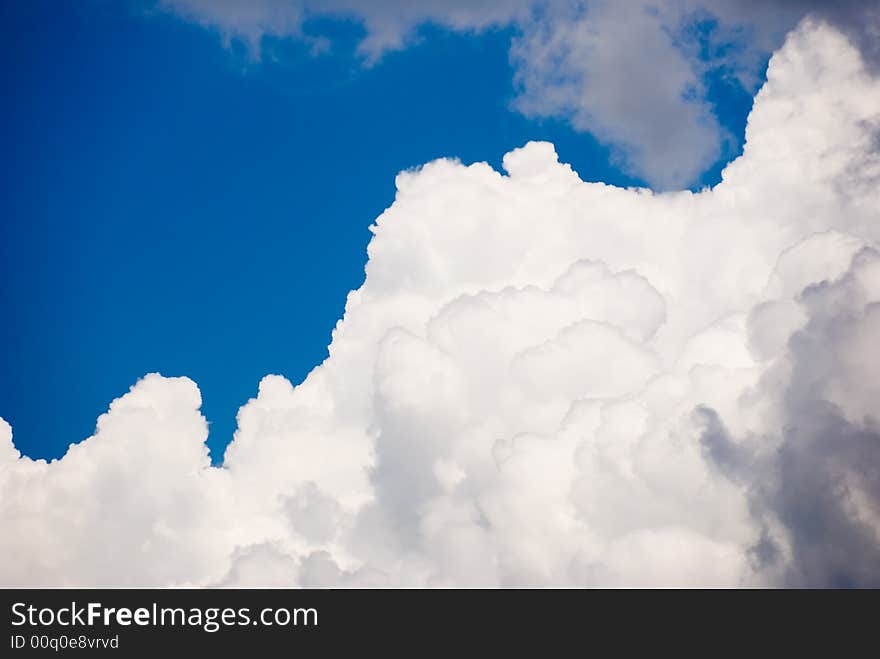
538,381
172,205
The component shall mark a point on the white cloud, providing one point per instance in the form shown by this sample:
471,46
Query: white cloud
541,381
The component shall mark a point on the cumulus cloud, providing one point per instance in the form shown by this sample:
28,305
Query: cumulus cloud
541,381
634,74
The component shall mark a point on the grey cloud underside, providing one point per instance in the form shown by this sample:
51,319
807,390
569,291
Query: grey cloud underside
821,480
541,381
